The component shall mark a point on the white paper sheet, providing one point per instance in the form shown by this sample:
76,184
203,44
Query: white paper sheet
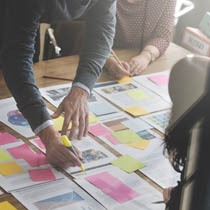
61,195
118,95
148,193
10,116
160,170
55,94
97,105
22,180
160,90
94,154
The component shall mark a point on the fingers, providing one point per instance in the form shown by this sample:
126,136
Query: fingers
62,157
82,123
126,66
121,72
79,154
137,69
72,158
137,66
75,125
67,120
118,71
58,112
86,124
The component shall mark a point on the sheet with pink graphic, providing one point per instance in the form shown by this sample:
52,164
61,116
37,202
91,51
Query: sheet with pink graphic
118,190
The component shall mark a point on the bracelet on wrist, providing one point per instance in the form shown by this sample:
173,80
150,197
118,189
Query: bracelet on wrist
152,55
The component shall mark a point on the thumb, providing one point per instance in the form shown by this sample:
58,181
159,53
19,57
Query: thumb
58,112
78,153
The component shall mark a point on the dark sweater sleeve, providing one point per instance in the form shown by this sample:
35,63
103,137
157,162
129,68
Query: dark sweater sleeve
99,34
22,18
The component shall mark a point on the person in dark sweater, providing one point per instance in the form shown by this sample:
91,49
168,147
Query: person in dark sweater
19,23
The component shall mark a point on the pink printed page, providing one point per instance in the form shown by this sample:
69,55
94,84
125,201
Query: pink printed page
6,138
24,152
37,159
99,130
20,151
43,174
159,79
112,187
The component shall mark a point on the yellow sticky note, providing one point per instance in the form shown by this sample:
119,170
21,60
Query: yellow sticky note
138,95
92,118
58,123
125,79
140,144
5,205
136,110
126,136
4,156
10,168
128,164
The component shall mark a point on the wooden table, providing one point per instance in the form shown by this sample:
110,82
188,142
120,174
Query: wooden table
66,67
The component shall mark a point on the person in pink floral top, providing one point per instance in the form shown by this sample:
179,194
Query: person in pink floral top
143,24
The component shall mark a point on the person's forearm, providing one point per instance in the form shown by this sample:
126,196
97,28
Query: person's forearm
151,52
98,42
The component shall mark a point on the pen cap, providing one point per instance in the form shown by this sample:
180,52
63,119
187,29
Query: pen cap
66,141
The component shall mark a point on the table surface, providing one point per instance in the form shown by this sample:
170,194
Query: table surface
65,68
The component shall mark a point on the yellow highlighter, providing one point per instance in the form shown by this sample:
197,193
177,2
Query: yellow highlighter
68,144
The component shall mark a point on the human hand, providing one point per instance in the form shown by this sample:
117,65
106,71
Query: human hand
138,64
56,153
75,110
116,70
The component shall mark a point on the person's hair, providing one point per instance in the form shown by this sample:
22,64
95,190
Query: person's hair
176,143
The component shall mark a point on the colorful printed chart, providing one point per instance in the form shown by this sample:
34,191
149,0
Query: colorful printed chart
133,98
158,120
14,119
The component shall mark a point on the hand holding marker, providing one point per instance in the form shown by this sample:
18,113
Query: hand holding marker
68,144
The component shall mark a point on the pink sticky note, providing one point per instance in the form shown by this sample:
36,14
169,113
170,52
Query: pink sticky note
160,79
39,143
112,139
6,138
112,187
19,151
37,159
43,174
99,130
